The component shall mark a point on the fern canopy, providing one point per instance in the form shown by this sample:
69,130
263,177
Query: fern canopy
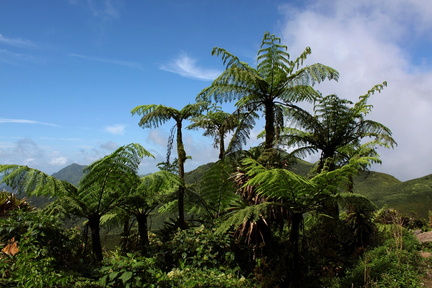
276,81
155,115
337,129
218,124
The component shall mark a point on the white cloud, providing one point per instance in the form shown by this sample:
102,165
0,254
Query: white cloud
25,121
117,129
23,152
364,40
109,146
59,161
186,66
158,137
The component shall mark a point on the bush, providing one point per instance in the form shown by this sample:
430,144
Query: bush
46,251
190,277
393,264
130,270
198,248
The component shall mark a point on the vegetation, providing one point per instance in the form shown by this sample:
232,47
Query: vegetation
261,217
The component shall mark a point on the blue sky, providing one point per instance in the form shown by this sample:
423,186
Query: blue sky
72,70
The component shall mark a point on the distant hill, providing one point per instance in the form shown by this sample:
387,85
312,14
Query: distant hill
72,173
413,197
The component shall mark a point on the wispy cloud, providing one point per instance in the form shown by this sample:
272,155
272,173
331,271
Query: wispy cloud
12,57
104,9
117,129
17,42
186,67
109,61
25,121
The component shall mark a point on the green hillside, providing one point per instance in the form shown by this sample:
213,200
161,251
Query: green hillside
72,173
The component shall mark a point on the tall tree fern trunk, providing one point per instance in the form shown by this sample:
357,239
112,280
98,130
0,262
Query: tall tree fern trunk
270,132
221,146
143,233
295,273
94,224
181,160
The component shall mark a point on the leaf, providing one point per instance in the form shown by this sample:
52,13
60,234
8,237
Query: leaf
126,276
113,275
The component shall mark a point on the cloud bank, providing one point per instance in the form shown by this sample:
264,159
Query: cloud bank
366,41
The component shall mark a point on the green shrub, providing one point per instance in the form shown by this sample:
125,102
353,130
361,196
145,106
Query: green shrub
130,271
46,251
197,247
393,264
191,277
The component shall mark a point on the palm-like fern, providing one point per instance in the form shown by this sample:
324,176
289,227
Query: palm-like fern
338,129
217,124
151,191
155,115
215,191
279,196
277,81
102,188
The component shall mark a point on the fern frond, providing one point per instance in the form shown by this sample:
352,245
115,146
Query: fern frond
216,189
34,182
247,214
358,201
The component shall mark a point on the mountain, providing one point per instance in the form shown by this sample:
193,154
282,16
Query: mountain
413,197
72,173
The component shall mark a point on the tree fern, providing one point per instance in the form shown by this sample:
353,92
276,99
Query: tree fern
338,129
152,116
34,182
249,213
215,191
277,81
104,186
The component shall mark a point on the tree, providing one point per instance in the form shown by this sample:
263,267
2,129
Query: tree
150,193
217,124
338,129
277,82
102,188
281,193
155,115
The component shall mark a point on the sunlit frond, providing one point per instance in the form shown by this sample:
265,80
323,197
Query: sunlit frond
277,81
34,182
